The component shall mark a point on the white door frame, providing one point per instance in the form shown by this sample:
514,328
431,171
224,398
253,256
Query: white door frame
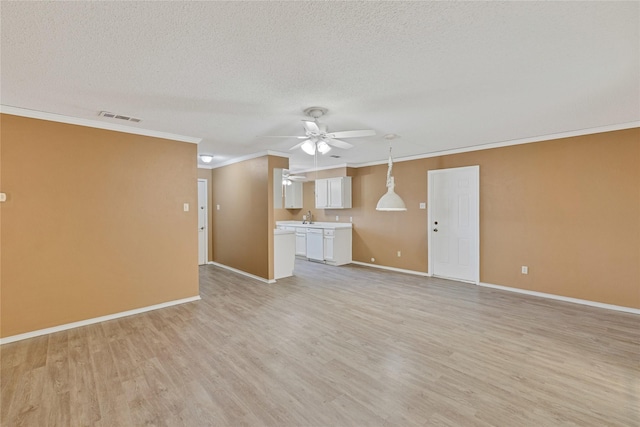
206,220
430,214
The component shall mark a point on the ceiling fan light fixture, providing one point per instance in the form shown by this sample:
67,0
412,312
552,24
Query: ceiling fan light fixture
323,147
309,147
206,158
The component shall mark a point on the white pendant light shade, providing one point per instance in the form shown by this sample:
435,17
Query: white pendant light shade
323,147
309,147
390,201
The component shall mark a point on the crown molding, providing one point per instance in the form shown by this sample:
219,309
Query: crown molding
41,115
541,138
341,165
246,157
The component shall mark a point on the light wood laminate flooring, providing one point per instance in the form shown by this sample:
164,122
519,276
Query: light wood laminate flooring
334,346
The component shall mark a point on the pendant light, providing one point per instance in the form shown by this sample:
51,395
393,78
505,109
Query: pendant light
390,201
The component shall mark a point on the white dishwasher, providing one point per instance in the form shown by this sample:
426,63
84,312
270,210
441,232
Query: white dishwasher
315,244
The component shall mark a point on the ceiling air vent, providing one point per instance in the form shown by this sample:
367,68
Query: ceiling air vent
119,117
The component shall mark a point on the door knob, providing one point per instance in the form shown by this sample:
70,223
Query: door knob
435,229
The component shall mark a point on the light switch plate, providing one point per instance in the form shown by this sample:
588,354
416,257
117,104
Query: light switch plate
423,205
186,207
3,197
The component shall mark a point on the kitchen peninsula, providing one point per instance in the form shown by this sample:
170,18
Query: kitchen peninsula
328,242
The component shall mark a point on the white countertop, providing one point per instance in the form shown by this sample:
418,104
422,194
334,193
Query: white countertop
329,225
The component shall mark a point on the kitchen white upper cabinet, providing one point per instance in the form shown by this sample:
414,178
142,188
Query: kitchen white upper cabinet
293,195
333,193
322,193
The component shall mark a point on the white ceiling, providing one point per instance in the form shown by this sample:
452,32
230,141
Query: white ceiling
442,75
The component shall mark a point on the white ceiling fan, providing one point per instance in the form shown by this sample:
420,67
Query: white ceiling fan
288,178
318,138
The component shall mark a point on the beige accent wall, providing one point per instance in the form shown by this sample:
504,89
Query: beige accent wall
243,227
569,209
94,223
206,174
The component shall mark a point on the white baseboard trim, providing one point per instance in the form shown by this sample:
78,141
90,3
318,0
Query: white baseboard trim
86,322
562,298
399,270
244,273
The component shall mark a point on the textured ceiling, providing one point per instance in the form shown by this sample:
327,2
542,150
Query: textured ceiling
442,75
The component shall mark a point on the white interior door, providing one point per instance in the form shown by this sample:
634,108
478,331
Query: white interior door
454,223
202,222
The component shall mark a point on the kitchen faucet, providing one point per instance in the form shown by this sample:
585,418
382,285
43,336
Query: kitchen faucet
308,220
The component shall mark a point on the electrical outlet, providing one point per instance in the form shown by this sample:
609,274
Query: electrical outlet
525,269
304,217
218,207
350,219
373,260
399,254
337,218
423,205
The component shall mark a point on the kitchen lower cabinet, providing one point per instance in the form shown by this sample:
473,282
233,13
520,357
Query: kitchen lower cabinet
329,239
301,242
322,241
337,246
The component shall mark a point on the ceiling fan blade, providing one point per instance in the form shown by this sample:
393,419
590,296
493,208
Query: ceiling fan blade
338,143
311,126
285,136
297,145
351,133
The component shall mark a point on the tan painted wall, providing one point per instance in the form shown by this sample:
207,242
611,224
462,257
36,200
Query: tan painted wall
243,227
94,223
568,208
206,174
